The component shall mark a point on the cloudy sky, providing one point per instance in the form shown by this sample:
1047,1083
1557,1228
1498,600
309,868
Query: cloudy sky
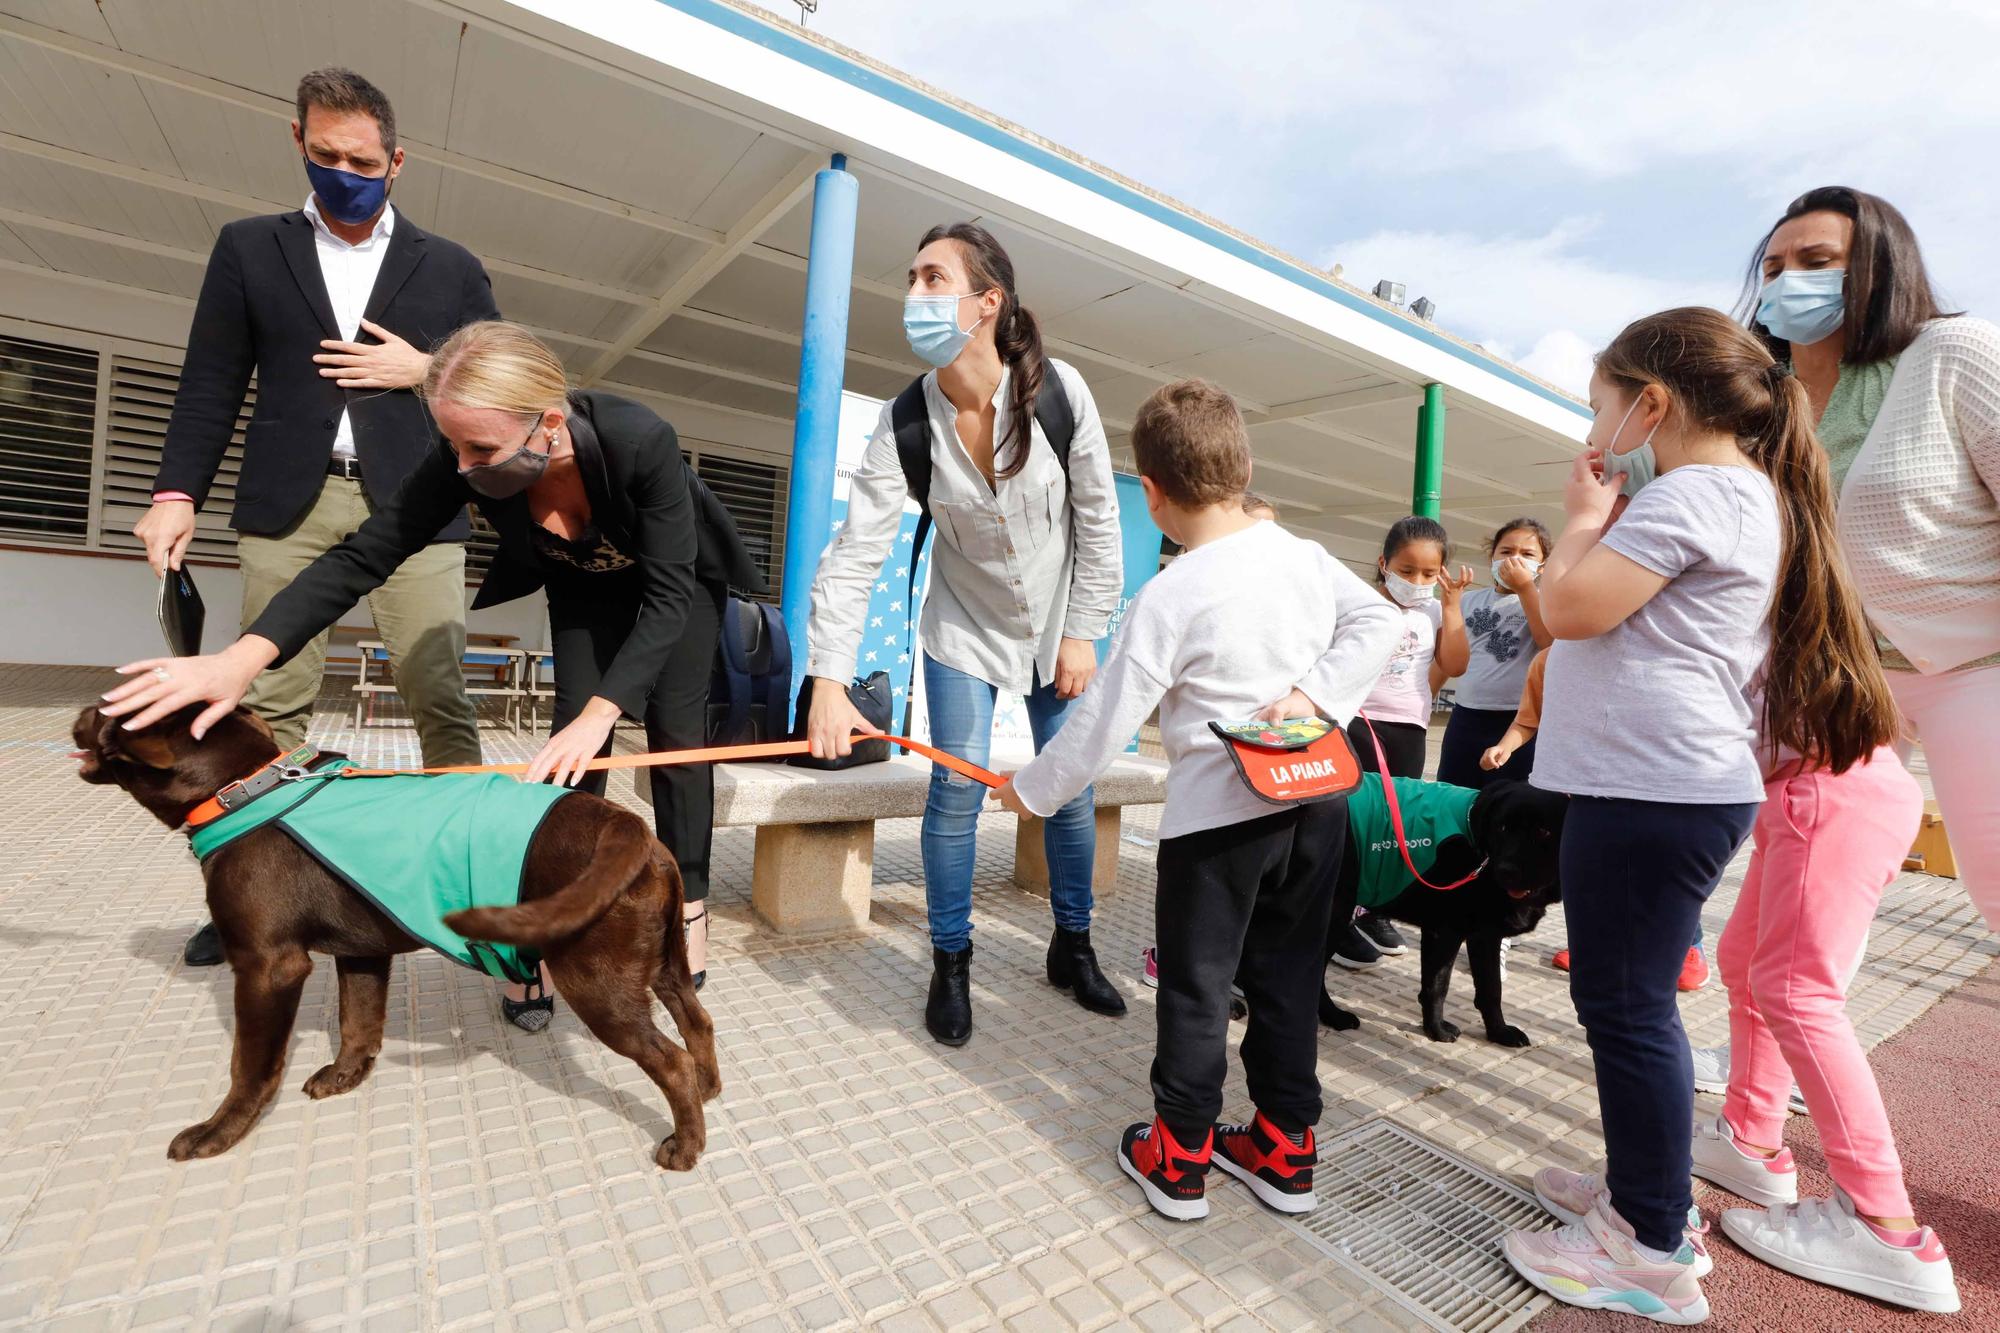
1544,171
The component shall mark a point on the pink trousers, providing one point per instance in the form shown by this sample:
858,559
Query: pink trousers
1826,847
1957,717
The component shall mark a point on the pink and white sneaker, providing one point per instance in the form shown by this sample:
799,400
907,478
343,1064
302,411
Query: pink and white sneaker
1597,1264
1719,1161
1825,1241
1570,1194
1149,966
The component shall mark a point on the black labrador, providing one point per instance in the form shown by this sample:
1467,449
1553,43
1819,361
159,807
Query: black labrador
1515,830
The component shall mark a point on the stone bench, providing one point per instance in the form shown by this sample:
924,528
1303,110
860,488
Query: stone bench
815,854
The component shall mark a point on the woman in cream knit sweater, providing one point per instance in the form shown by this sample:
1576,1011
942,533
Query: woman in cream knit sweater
1909,403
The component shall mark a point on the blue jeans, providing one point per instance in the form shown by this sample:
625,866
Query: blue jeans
961,717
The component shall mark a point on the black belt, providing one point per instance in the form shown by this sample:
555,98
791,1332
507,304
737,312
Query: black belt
349,468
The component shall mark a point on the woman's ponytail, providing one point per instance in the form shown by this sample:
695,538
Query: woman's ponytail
1017,337
1824,693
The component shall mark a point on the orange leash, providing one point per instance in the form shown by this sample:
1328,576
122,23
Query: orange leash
714,754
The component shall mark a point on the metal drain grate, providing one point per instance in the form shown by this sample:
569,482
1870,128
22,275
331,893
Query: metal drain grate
1423,1226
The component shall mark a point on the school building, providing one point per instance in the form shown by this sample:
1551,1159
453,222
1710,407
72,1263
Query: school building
696,205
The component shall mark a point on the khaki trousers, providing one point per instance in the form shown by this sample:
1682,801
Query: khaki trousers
419,613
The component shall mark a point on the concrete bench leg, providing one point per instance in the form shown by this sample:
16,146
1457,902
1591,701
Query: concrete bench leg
809,878
1031,862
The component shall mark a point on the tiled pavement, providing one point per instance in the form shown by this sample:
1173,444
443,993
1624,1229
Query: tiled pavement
857,1174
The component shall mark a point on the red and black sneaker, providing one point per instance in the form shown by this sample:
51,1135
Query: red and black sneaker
1277,1170
1171,1175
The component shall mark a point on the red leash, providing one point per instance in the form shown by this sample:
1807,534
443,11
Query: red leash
1396,816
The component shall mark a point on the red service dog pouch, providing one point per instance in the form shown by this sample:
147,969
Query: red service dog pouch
1293,762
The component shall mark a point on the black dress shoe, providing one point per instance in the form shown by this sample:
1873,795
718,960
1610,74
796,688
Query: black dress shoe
948,1013
1073,967
1382,933
204,947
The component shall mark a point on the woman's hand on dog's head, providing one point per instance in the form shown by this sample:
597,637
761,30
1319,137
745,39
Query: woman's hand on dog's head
161,686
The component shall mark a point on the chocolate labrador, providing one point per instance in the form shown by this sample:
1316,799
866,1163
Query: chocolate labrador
600,900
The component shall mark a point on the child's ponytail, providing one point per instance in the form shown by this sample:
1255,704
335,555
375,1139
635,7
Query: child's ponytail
1824,693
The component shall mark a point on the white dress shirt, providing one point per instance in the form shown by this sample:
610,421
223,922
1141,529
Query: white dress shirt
349,272
1016,568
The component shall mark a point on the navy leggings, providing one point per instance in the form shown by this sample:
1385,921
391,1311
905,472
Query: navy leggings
1470,733
1635,875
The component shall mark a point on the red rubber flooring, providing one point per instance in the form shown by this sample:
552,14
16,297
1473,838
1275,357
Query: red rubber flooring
1941,1080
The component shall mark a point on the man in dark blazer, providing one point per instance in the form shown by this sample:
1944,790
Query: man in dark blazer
334,307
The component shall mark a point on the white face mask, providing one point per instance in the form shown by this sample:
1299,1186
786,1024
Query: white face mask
1406,593
1534,567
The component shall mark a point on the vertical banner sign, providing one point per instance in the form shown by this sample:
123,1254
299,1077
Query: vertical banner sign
887,641
1140,539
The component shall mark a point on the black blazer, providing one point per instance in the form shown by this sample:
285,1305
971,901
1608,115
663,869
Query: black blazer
643,496
264,306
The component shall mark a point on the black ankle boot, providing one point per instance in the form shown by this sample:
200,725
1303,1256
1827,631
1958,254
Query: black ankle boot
948,1014
1073,966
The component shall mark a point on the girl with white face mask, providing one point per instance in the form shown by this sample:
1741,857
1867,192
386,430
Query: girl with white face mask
1504,631
1413,576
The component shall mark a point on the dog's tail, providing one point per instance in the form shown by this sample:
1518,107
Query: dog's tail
624,851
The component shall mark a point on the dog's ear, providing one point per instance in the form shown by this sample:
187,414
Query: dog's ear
148,748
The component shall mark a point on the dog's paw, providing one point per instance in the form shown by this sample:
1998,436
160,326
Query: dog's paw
1443,1030
203,1140
1333,1016
332,1080
677,1153
1507,1035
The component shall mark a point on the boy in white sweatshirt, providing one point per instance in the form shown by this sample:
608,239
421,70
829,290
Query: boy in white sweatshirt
1249,621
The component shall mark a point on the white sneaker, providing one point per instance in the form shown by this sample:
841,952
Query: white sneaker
1765,1180
1711,1074
1822,1239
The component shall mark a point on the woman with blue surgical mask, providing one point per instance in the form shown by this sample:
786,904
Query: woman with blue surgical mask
1905,401
1027,569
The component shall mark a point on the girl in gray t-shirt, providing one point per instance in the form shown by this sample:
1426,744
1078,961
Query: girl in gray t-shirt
1661,623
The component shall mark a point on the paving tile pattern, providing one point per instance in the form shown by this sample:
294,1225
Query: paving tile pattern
857,1174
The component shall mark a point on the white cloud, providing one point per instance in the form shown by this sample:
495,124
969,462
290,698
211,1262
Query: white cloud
1535,299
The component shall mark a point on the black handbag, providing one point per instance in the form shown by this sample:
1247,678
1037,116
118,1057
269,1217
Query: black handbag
872,699
753,669
181,613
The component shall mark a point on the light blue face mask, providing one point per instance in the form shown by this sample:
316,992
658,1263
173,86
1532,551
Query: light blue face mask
931,325
1641,465
1804,305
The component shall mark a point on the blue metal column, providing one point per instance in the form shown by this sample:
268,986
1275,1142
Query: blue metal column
822,367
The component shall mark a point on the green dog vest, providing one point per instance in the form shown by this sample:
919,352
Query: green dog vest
419,847
1432,812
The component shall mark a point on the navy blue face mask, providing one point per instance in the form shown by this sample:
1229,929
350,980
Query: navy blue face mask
347,197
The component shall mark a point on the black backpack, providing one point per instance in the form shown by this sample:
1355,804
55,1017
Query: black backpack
749,693
910,419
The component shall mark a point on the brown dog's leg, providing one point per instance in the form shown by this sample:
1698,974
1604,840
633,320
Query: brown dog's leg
624,1021
364,996
697,1030
267,1000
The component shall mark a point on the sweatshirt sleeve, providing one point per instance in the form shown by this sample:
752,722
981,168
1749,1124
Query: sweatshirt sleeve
1365,631
1122,696
853,560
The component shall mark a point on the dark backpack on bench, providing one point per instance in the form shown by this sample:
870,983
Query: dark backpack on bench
748,695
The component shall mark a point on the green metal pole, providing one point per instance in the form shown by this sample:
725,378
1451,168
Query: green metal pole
1428,491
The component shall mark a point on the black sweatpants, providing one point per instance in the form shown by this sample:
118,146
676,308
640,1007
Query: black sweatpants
585,637
1635,875
1403,742
1248,901
1470,733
